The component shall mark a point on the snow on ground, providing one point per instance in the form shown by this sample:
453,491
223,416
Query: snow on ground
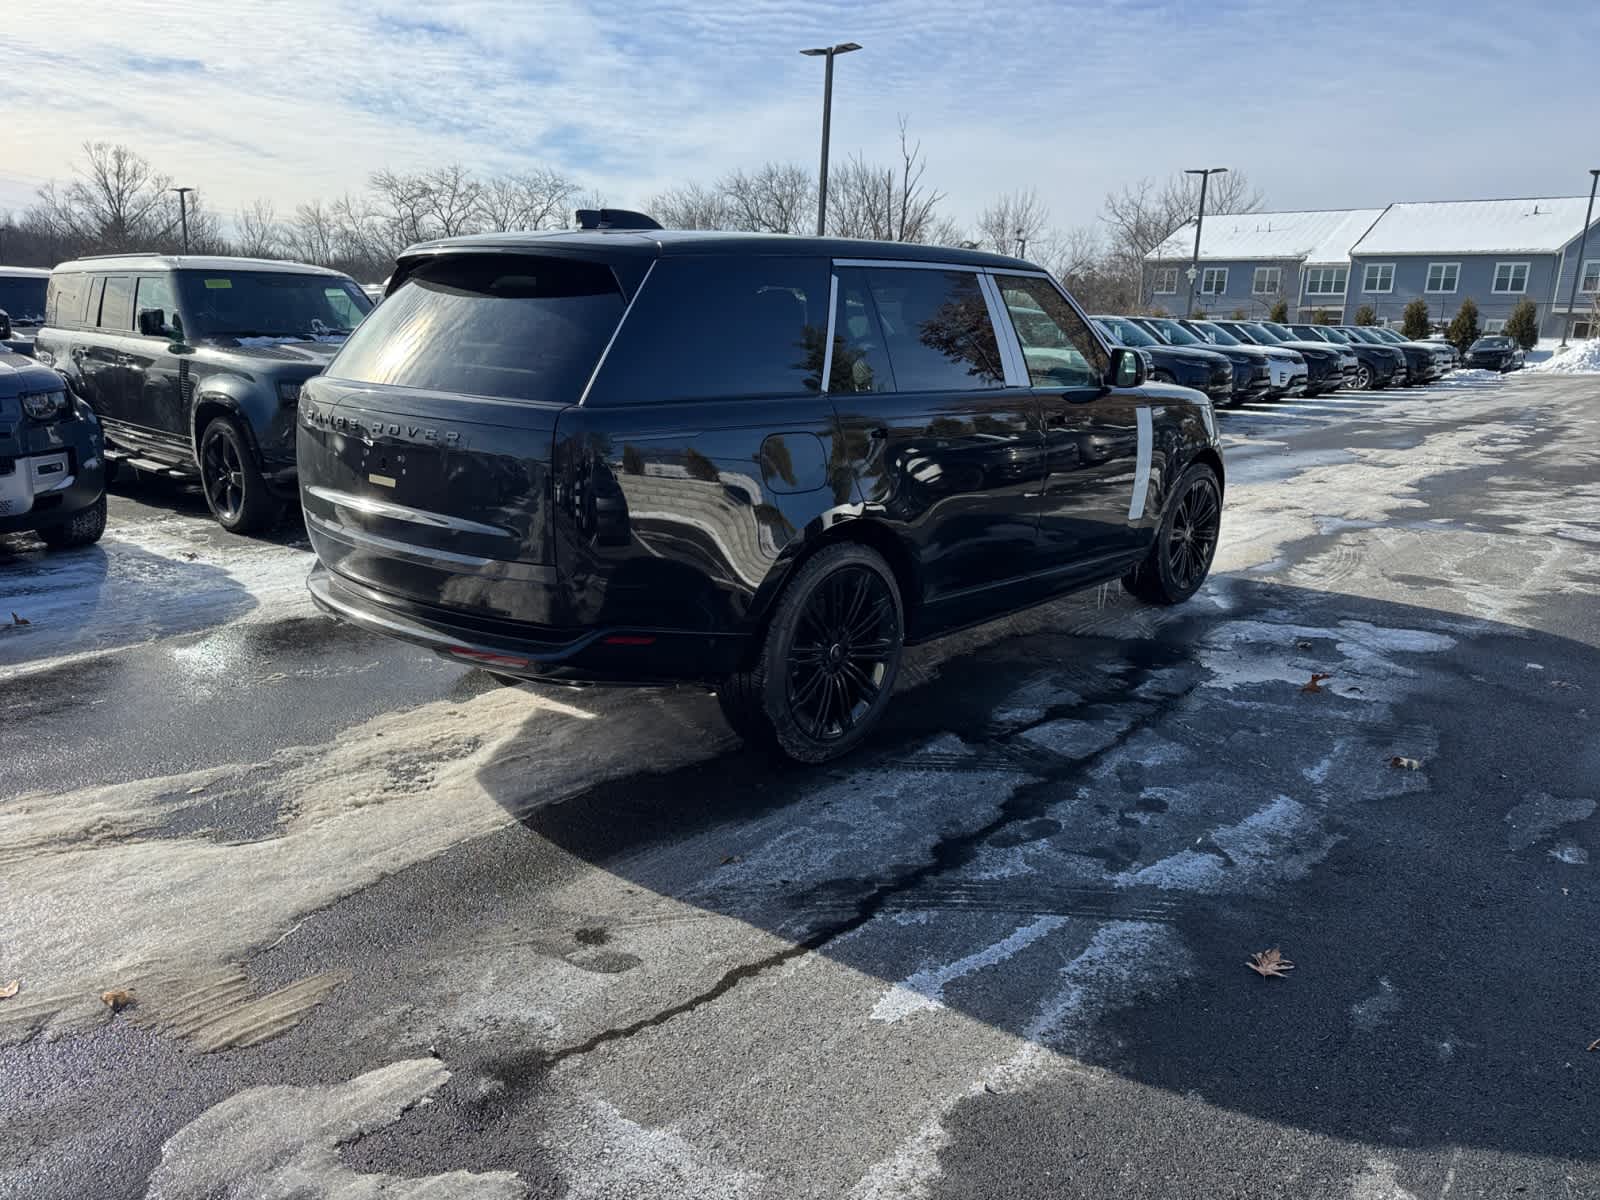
1579,358
146,579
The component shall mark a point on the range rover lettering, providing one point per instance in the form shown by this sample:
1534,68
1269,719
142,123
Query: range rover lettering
761,464
194,365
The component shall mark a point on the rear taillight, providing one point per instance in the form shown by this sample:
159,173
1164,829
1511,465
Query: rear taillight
485,658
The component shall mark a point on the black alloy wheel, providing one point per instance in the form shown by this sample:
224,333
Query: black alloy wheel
234,487
826,663
1186,542
839,658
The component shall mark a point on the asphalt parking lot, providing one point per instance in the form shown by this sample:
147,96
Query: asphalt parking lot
387,929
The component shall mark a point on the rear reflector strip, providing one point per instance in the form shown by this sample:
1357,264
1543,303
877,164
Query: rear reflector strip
485,658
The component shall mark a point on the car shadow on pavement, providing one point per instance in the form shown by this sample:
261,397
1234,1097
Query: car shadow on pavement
1168,796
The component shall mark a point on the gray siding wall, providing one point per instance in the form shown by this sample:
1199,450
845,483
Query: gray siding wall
1237,294
1569,262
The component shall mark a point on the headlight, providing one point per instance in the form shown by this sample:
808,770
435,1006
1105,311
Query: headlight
44,406
289,393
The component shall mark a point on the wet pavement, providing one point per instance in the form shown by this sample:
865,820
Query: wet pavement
391,929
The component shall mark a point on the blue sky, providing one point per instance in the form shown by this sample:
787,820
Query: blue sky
1323,105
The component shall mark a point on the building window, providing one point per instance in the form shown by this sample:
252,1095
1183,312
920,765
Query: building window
1268,281
1213,281
1379,277
1582,330
1511,277
1327,281
1443,277
1591,276
1494,326
1165,281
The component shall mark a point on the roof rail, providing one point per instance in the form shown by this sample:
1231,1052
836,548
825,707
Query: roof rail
127,254
614,218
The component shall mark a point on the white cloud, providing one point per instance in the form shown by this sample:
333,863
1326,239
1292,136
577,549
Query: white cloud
299,98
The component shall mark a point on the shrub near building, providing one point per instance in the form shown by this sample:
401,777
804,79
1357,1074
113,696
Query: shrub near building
1280,312
1523,324
1415,323
1366,315
1464,329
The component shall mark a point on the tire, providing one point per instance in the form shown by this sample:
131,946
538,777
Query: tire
234,487
1365,380
81,529
827,662
1185,543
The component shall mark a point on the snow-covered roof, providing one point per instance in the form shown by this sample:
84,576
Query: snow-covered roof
24,272
1320,236
1533,226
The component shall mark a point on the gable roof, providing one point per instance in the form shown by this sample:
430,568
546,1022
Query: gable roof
1319,236
1538,225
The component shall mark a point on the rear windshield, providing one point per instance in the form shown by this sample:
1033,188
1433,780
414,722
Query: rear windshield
23,298
510,327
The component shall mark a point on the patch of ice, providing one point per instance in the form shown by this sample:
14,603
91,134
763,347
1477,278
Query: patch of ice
604,1155
1281,842
1541,814
1570,853
1378,1181
1376,1009
283,1141
1077,739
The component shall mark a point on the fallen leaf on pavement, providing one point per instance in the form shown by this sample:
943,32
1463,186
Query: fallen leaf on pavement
10,989
1593,1046
189,554
732,858
1316,682
1405,764
16,620
1270,964
1303,645
117,999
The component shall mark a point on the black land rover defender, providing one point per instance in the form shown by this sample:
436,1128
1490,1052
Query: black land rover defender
194,365
52,473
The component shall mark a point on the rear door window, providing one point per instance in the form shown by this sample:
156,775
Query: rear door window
936,330
1056,343
156,291
511,327
860,362
720,327
116,309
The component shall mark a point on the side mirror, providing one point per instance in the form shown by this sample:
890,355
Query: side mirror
152,322
1127,368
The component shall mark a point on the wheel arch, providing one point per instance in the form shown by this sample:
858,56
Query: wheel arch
213,402
864,531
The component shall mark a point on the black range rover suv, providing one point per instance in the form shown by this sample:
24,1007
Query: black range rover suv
763,464
194,365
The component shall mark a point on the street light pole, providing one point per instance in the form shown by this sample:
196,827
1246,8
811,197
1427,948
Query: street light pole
183,213
1583,242
827,113
1205,174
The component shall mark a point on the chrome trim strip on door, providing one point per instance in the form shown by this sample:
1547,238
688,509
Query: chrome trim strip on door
1141,472
399,512
911,265
833,315
612,340
1012,361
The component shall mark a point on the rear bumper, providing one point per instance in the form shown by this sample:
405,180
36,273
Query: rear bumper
602,655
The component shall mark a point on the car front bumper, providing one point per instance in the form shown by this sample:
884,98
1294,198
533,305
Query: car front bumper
40,490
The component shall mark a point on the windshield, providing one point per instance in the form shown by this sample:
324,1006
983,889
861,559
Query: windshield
270,304
1175,334
1364,335
1336,335
23,298
1126,332
1282,332
1258,333
1388,335
1493,343
1217,334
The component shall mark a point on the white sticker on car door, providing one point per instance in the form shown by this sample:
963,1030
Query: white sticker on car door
1141,472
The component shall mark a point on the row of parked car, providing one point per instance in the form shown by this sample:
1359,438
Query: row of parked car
1236,361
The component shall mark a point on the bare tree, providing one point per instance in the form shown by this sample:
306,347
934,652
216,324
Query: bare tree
775,198
1013,222
451,200
538,199
115,204
312,236
885,203
691,206
260,235
1144,214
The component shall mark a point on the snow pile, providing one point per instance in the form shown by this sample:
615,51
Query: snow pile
1579,358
